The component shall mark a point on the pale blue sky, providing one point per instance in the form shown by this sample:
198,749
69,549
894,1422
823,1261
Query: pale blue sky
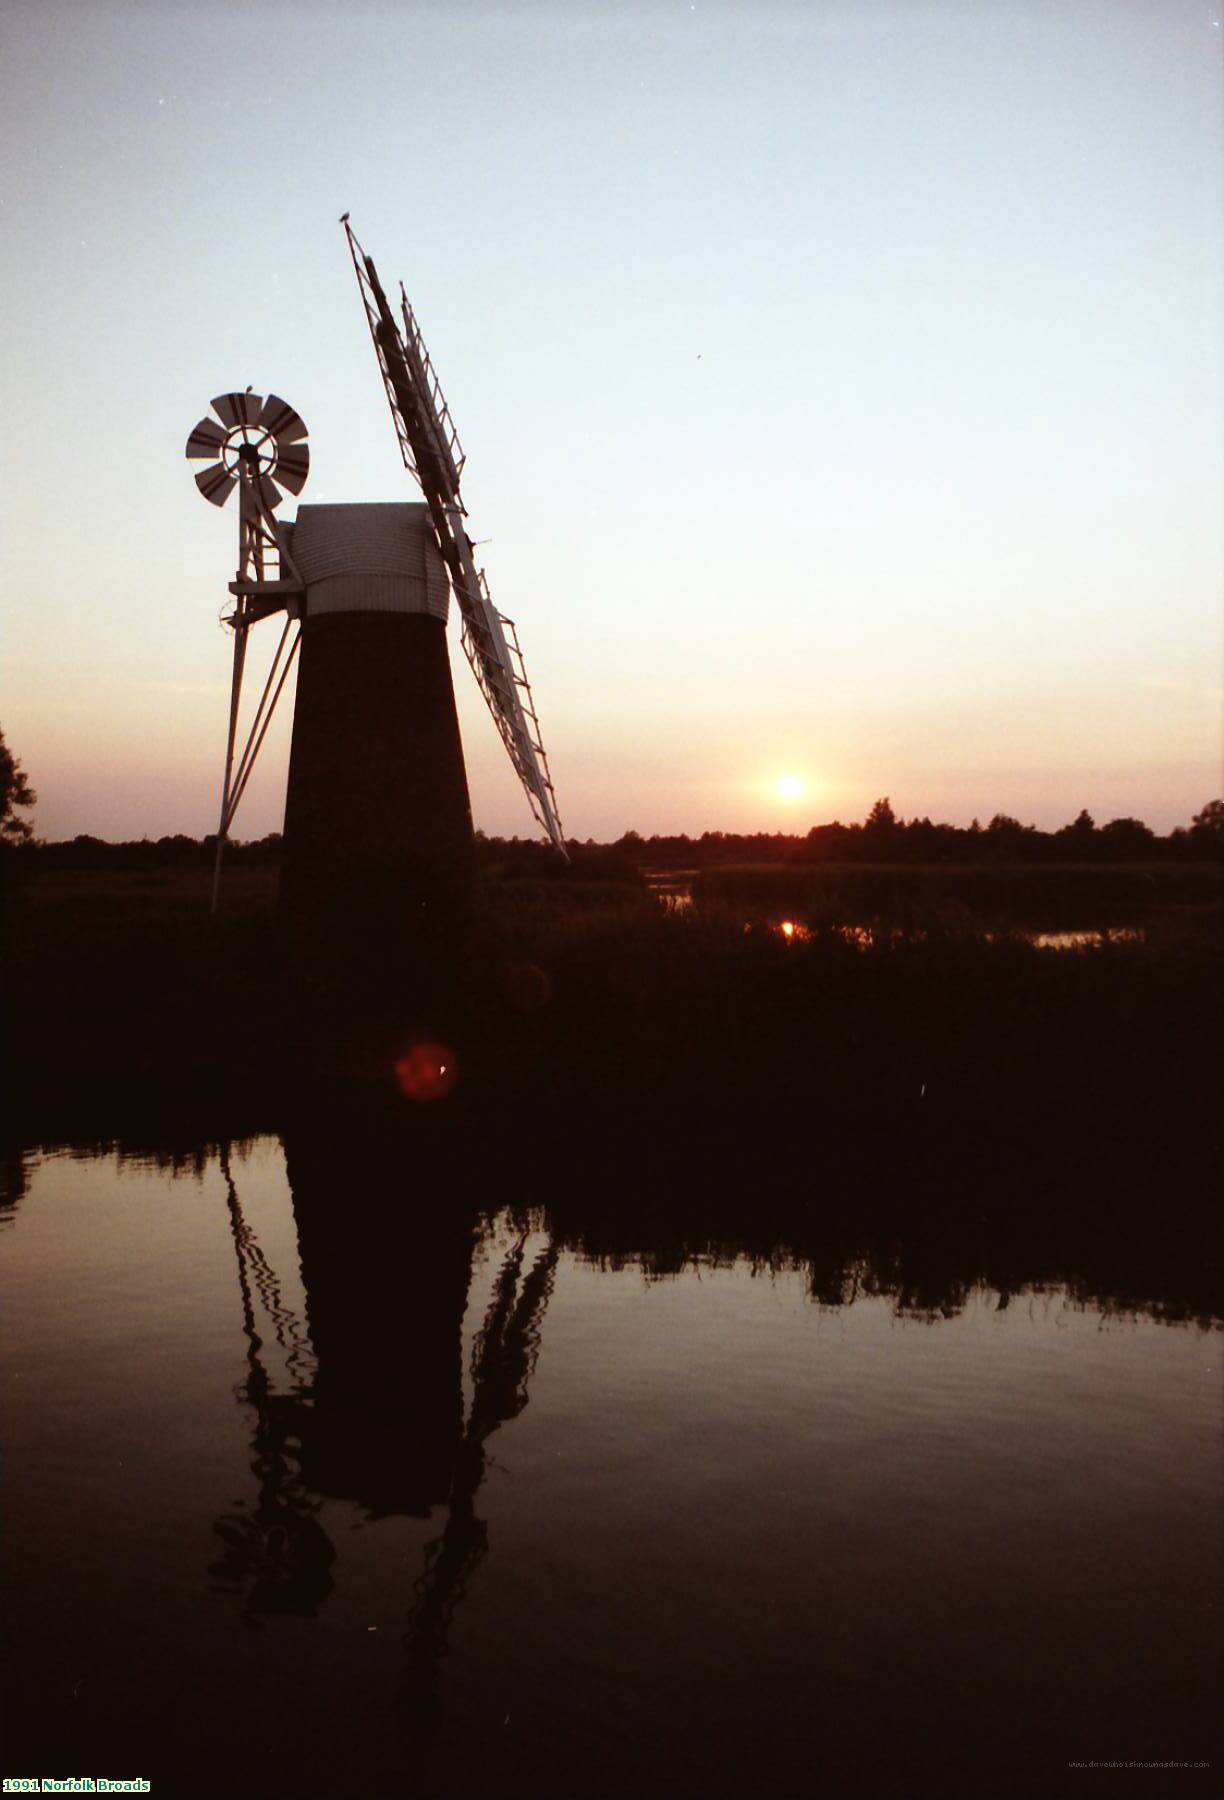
841,386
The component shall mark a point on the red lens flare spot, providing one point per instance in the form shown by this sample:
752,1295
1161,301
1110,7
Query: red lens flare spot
426,1071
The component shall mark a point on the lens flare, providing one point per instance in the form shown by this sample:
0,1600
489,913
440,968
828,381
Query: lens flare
526,988
426,1071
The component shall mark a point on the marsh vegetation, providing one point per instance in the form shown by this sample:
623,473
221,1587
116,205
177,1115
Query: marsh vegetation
690,1040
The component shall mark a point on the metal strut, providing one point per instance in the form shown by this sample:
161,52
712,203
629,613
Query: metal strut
255,599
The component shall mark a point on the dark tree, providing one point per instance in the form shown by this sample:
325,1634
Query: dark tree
882,831
1208,826
881,818
1080,834
16,791
1125,840
1006,837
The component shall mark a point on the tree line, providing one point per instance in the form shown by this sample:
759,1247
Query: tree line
882,837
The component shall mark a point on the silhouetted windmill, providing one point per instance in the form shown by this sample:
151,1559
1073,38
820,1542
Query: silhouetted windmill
377,813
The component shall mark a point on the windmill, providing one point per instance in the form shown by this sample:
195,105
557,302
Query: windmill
377,795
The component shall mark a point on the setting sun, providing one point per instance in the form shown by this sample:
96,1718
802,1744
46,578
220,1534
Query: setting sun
788,787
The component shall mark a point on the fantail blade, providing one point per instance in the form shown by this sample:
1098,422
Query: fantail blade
278,417
292,466
206,439
238,409
216,484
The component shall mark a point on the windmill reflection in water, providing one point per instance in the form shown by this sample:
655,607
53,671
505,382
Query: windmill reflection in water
378,1422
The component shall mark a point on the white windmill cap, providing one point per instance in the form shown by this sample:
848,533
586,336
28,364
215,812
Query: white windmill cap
379,557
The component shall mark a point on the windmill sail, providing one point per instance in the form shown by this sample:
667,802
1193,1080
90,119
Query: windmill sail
429,445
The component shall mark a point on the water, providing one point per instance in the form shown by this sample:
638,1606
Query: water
322,1482
674,890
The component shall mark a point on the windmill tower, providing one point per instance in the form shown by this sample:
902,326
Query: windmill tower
377,818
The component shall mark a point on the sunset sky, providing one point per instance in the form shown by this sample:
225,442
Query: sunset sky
841,386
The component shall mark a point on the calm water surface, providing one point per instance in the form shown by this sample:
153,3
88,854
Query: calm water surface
311,1496
674,890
